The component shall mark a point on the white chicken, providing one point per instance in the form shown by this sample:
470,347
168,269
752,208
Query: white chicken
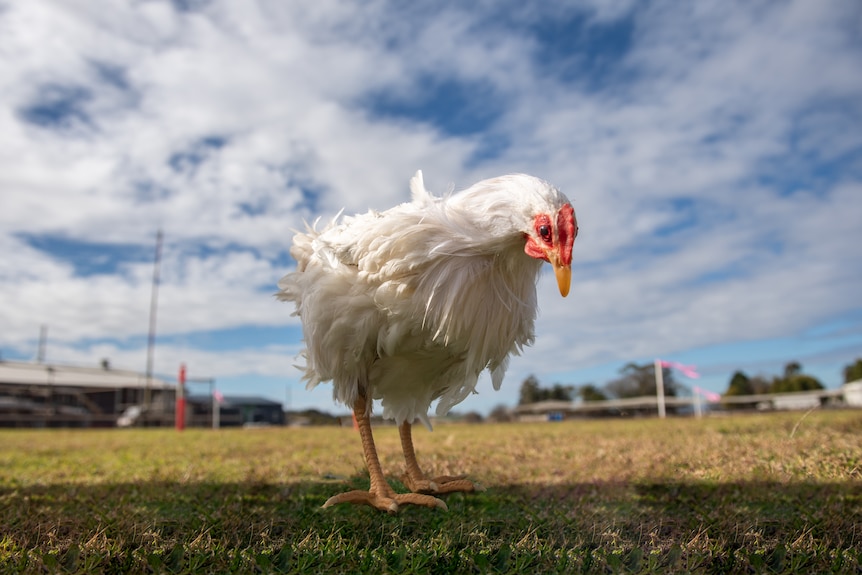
410,305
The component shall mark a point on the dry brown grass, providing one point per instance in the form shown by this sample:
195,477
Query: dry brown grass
761,492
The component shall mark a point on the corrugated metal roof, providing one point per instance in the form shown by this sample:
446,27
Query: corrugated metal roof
20,373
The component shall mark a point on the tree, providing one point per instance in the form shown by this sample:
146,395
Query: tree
739,384
530,391
800,382
472,417
853,372
794,380
792,369
500,414
759,384
639,380
590,392
560,392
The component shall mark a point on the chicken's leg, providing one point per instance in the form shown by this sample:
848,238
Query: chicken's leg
380,494
418,482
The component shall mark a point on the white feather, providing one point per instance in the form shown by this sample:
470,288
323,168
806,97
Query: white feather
413,303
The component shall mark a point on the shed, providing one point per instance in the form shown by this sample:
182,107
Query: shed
58,395
853,393
236,410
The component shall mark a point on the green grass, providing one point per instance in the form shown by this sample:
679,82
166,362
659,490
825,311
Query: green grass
765,493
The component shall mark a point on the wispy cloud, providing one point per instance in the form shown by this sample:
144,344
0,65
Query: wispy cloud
713,151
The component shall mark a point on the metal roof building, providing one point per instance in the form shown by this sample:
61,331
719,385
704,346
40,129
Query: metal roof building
55,395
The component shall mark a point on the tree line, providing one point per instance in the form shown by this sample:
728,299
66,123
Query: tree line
639,380
793,379
634,381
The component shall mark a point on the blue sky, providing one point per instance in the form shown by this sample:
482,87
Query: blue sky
713,152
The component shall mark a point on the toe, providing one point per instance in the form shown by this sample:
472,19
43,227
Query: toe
388,502
423,500
355,497
453,485
419,485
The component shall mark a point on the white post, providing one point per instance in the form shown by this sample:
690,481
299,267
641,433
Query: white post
698,406
659,388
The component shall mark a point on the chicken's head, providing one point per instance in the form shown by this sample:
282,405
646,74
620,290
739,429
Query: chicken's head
551,239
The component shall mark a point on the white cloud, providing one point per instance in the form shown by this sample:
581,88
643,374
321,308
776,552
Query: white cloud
737,126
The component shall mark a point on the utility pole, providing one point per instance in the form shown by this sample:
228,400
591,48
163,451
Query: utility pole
154,304
43,343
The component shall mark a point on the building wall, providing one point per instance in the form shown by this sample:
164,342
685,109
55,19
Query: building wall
75,406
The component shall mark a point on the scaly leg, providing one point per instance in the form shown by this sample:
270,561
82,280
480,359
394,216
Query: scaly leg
418,482
380,494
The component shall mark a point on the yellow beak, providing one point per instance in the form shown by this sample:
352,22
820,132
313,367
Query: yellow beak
564,276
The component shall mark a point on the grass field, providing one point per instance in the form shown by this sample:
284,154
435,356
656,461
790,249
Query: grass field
777,493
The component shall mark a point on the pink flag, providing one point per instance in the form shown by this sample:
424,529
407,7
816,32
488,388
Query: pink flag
709,395
686,370
218,396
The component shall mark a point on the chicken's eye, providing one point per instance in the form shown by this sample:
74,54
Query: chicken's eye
545,232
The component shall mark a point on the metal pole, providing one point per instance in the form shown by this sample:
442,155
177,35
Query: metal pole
180,414
659,388
216,406
154,304
43,342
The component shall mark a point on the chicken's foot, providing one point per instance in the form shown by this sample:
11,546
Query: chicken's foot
380,494
416,480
